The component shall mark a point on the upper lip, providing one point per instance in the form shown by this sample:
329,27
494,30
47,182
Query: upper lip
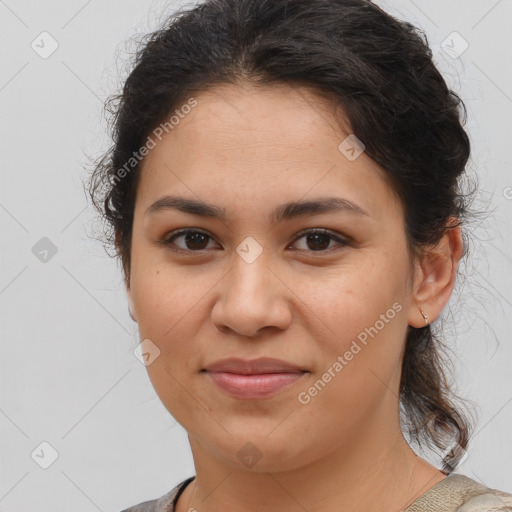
253,366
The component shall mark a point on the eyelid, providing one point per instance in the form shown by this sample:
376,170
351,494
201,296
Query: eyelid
340,240
321,231
166,241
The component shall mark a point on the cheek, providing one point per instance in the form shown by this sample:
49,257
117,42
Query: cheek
343,303
168,307
360,361
163,298
364,323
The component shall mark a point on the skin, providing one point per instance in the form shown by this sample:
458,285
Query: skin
248,150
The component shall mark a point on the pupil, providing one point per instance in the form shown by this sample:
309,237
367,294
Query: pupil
192,239
316,237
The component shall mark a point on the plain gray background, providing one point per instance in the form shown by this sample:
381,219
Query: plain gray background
68,373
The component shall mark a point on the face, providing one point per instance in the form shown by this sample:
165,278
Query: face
324,289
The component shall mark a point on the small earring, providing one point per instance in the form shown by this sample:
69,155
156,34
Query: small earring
425,316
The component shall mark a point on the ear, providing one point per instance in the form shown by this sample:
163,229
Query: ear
131,307
435,275
129,296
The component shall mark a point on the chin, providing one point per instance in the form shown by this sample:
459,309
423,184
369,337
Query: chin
261,454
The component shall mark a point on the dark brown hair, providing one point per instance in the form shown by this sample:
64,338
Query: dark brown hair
378,69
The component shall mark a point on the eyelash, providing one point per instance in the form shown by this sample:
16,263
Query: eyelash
168,240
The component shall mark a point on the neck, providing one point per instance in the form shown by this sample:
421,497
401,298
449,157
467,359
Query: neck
377,472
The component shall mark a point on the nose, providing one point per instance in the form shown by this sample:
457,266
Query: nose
252,297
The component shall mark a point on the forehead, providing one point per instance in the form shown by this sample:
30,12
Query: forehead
277,117
263,144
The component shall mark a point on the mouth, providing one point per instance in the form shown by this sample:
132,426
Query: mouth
254,386
253,379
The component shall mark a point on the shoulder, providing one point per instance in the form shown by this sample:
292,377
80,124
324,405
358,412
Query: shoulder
459,493
163,504
485,499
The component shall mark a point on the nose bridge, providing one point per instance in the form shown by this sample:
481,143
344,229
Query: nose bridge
250,263
250,272
250,283
251,297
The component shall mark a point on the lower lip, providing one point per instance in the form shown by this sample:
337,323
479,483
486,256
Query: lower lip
254,386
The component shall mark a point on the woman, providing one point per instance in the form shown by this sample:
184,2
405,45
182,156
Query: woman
249,132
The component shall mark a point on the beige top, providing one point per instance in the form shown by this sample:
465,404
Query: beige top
455,493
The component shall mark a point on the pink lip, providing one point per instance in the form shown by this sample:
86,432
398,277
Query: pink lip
254,386
257,378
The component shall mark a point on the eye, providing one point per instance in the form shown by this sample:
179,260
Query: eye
318,240
194,240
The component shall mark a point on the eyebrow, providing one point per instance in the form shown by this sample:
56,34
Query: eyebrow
283,212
